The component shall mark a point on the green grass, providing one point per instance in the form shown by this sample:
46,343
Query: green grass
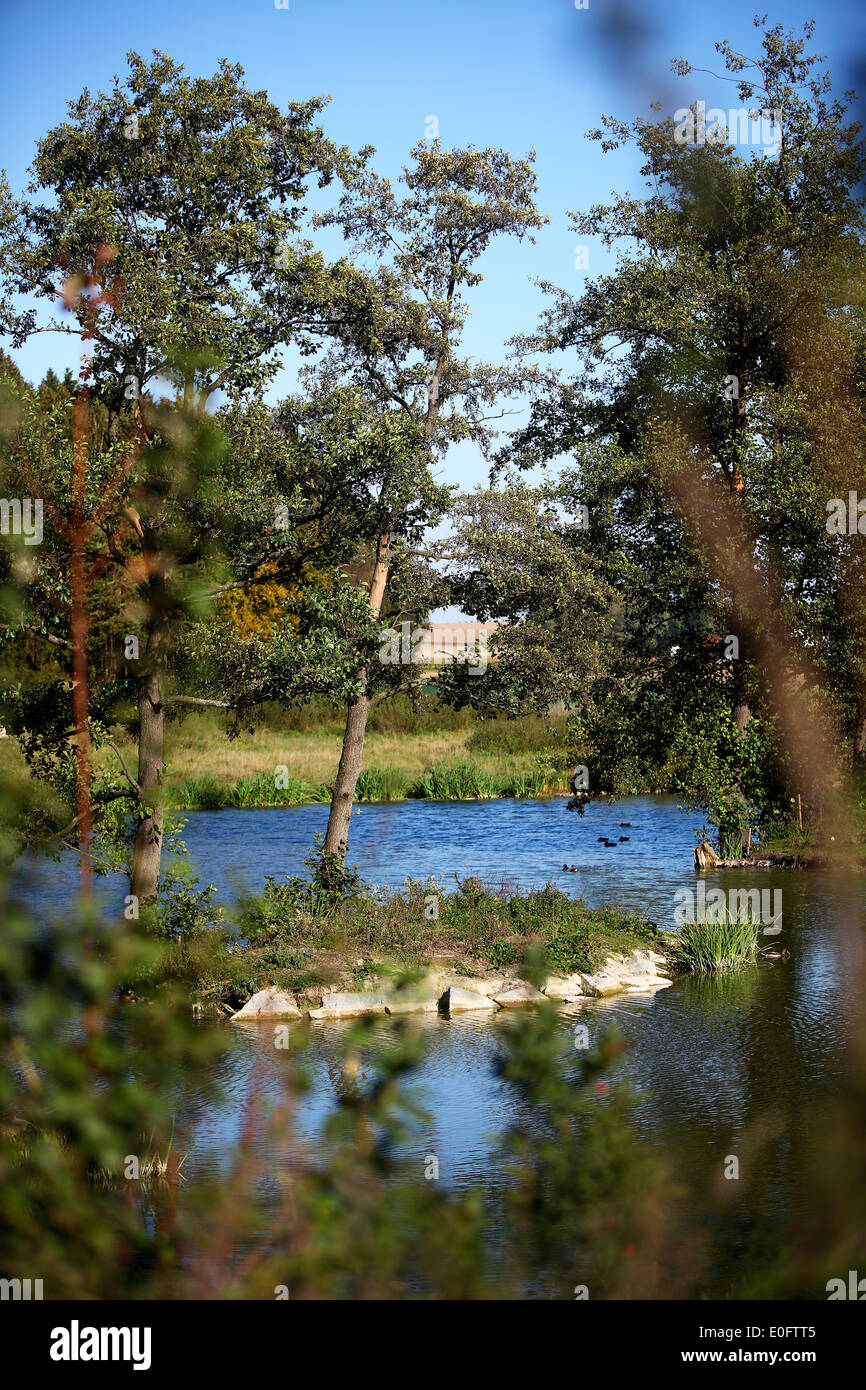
708,948
423,751
278,939
410,751
382,784
208,792
464,781
514,737
468,781
731,845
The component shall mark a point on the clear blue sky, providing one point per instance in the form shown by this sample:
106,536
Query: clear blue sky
515,73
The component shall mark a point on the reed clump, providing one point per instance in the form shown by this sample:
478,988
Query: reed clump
710,947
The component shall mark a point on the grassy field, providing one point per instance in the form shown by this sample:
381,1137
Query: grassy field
443,754
291,757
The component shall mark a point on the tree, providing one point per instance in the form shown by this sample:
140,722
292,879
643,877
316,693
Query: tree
73,604
183,193
717,406
303,486
405,359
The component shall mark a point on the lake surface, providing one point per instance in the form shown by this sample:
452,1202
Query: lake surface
707,1059
513,841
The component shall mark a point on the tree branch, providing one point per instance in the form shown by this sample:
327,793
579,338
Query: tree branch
126,772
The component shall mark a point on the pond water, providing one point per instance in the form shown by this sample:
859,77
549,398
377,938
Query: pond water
707,1059
515,841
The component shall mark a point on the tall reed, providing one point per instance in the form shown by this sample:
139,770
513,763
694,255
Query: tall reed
707,948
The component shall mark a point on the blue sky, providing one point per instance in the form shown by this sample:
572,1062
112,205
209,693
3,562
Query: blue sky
516,73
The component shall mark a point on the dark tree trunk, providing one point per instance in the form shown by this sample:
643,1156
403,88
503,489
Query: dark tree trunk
337,836
351,758
741,710
742,713
80,631
147,849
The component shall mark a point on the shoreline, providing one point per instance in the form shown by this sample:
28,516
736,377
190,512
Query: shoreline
288,939
788,859
235,800
446,991
320,796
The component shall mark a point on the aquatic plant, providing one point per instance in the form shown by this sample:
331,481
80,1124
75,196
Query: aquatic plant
208,792
706,947
382,784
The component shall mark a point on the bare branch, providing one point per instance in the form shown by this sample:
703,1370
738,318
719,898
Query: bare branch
126,772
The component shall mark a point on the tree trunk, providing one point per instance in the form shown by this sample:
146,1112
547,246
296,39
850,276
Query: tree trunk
80,629
742,713
147,849
81,719
337,836
741,710
351,758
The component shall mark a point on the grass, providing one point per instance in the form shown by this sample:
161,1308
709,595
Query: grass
515,737
153,1169
383,784
731,846
477,927
208,792
709,948
428,753
425,752
464,781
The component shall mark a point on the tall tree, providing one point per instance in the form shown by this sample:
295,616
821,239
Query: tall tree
424,243
187,192
717,406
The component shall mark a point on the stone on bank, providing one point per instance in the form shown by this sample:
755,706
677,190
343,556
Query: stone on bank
447,992
268,1003
458,999
517,992
346,1005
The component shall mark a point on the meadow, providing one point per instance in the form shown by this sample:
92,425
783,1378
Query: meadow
292,756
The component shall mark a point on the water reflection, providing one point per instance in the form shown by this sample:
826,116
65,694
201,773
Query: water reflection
735,1065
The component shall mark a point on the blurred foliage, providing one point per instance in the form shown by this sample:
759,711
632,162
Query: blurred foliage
690,512
107,1053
